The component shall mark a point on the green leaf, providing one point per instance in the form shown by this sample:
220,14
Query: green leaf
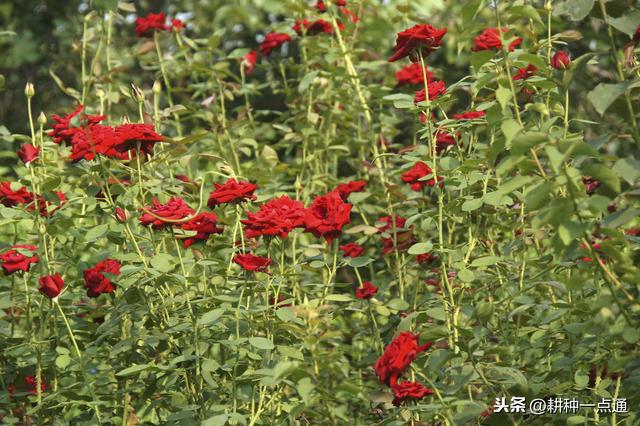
339,298
466,275
471,205
306,81
627,23
291,352
219,420
628,169
525,141
286,314
513,184
62,361
163,262
305,389
397,304
604,174
536,196
621,217
130,371
510,128
605,94
261,343
576,10
485,261
527,11
96,232
581,379
420,248
211,316
503,95
480,58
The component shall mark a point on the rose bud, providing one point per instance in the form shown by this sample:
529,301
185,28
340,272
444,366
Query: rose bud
51,285
121,214
561,60
28,153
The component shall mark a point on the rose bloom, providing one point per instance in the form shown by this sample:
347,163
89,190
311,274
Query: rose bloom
327,216
31,384
249,61
145,26
250,262
304,26
51,285
444,140
469,115
277,217
409,390
96,282
426,259
177,24
13,261
346,189
397,356
412,74
590,184
436,88
11,198
174,210
421,37
388,223
272,41
489,39
63,130
352,250
232,191
367,291
418,171
525,73
27,153
561,60
205,225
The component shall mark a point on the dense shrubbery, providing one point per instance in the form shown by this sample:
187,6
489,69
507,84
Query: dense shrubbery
266,212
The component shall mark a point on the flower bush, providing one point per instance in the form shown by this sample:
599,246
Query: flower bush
323,212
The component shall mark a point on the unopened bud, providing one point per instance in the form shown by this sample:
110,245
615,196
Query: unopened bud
42,119
137,93
157,87
29,90
100,93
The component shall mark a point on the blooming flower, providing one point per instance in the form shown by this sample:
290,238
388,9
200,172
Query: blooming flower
436,88
414,176
397,356
304,26
367,291
469,115
249,61
561,60
177,25
145,26
205,225
489,39
327,215
272,41
409,390
232,191
525,73
352,250
412,74
27,153
403,237
444,140
277,217
346,189
13,260
51,285
159,216
421,37
32,384
96,282
426,259
63,130
11,198
250,262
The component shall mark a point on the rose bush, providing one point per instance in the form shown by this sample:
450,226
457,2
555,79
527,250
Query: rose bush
322,212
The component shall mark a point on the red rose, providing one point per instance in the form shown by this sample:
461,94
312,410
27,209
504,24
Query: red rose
13,260
165,214
31,384
436,88
145,26
397,356
11,198
367,291
272,41
66,127
303,26
51,285
320,6
489,39
426,259
590,184
205,224
469,115
249,61
121,214
28,153
421,36
409,390
277,217
414,176
444,140
561,60
327,215
128,136
249,262
96,282
389,223
525,73
177,25
232,191
352,250
45,206
412,74
345,189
